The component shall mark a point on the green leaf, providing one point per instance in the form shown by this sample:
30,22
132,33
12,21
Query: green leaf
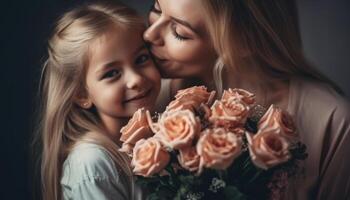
187,179
146,181
153,196
232,193
256,176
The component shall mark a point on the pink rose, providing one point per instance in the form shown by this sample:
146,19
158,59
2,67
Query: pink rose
239,132
245,96
191,98
137,128
280,120
229,113
177,129
189,159
218,148
268,149
149,157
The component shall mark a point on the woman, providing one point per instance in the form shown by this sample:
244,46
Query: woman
255,45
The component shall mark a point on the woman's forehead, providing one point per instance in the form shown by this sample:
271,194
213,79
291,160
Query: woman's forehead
189,11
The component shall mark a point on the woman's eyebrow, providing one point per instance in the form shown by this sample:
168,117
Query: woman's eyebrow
184,23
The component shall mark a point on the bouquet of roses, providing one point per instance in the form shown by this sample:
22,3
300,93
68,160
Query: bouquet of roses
201,148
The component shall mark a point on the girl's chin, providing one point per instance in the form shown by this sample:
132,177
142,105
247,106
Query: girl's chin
135,108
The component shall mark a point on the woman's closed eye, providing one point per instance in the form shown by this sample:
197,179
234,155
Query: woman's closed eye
113,73
176,34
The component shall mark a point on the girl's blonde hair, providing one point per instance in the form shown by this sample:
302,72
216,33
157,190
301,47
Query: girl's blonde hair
264,33
63,123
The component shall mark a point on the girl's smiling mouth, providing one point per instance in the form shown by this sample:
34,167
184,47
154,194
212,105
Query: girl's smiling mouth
139,96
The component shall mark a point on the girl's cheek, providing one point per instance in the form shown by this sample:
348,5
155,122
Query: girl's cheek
152,73
152,18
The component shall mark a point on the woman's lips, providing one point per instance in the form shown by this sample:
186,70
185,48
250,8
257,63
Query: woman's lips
160,60
157,56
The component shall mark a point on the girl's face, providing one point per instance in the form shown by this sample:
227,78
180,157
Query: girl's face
179,39
121,77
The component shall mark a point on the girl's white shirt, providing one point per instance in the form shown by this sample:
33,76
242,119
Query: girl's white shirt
90,173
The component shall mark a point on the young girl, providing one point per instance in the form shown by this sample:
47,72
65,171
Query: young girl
98,73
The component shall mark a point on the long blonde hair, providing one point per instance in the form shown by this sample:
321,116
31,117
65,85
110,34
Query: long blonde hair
263,32
63,123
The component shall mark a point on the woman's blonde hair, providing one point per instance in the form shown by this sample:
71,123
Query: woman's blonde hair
63,123
263,32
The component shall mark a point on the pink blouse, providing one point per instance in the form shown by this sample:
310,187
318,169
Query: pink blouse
322,117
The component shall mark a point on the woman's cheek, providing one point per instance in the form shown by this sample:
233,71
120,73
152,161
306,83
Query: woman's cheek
184,51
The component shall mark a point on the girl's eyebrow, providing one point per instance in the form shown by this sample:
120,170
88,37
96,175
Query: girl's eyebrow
105,66
140,48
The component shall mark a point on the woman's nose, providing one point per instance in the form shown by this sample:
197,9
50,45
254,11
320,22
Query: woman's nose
134,80
153,34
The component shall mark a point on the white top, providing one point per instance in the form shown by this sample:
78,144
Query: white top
90,173
322,118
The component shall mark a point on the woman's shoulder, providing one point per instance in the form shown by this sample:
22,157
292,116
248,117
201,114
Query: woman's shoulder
88,161
318,98
317,92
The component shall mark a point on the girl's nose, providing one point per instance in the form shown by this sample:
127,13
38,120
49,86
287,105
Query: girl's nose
134,80
153,34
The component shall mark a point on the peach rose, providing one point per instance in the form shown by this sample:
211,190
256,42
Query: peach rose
191,98
178,128
229,113
189,159
149,157
137,128
268,149
218,148
239,131
280,120
247,97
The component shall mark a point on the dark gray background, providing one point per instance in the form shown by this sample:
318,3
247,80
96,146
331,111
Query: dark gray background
25,28
325,30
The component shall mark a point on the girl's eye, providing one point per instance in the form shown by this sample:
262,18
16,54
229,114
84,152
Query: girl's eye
111,74
155,8
141,59
176,35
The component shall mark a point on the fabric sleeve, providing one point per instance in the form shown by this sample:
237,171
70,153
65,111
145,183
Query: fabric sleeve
334,180
102,189
90,173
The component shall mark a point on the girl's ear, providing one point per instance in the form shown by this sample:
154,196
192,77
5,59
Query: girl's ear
82,100
85,104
